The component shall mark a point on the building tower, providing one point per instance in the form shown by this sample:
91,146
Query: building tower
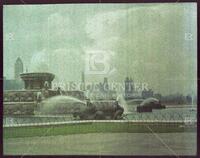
83,77
132,86
18,68
83,81
129,88
105,84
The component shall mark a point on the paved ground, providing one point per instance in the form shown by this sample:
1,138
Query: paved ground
105,144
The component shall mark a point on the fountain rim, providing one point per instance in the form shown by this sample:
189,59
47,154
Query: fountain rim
36,75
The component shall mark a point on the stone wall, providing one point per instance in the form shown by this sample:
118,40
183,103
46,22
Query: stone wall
25,101
22,108
19,96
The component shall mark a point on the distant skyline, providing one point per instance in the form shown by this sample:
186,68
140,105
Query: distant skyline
152,43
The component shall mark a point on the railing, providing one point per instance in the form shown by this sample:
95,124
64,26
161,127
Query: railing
189,118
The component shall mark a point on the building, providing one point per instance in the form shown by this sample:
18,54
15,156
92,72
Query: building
101,91
147,93
18,68
83,77
129,88
83,81
16,83
10,84
105,84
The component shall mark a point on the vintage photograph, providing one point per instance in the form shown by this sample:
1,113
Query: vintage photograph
100,79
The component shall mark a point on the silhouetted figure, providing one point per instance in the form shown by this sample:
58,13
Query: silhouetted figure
46,85
59,91
90,106
39,97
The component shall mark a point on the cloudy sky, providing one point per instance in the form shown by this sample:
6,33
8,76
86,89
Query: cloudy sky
152,43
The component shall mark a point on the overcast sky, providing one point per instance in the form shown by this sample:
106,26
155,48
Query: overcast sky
153,43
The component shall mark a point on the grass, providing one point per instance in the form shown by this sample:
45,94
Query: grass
95,127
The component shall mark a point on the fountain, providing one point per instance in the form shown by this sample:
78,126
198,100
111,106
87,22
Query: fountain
25,101
37,80
39,98
60,105
65,105
123,103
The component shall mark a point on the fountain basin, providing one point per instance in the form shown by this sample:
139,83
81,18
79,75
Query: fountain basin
37,80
